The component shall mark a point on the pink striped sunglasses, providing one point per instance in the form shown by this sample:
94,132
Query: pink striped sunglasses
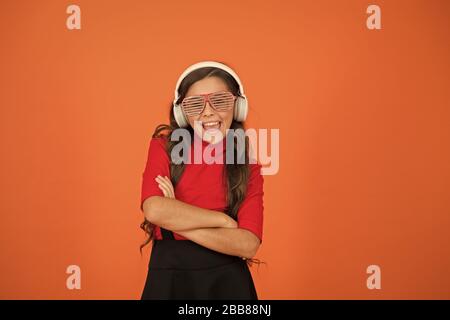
220,101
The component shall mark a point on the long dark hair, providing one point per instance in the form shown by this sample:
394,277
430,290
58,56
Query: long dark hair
237,174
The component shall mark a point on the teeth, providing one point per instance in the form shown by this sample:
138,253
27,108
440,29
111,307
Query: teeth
210,124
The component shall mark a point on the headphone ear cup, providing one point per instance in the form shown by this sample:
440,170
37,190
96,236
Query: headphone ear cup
179,116
240,109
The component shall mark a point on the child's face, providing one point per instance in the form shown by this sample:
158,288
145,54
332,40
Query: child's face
209,114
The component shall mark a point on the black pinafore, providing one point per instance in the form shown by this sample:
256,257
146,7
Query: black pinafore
183,269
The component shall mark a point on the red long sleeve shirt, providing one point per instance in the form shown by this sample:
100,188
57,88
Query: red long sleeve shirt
202,185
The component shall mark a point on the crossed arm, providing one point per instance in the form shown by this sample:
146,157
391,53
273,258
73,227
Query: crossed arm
212,229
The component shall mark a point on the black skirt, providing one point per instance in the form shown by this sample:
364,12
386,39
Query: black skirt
183,270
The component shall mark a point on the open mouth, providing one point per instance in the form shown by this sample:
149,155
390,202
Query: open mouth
211,125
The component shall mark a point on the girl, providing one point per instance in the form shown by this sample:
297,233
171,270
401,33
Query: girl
205,219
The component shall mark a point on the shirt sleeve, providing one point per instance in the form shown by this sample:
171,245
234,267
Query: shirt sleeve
158,163
250,213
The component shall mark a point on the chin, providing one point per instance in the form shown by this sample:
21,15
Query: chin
213,138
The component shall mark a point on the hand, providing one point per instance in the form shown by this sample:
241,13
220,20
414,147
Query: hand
231,223
166,186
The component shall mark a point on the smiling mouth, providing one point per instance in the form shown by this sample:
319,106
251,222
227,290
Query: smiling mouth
211,125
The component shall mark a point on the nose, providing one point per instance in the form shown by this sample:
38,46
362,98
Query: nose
208,110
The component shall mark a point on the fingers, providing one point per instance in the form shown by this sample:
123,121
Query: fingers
231,223
166,186
164,191
162,181
162,184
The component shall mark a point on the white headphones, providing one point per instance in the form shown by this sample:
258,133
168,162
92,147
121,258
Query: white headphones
241,103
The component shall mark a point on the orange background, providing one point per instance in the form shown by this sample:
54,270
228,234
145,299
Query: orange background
364,119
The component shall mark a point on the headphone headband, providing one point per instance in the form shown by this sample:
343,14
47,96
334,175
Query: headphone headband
204,64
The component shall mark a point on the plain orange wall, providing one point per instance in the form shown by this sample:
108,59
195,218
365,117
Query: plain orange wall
364,119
